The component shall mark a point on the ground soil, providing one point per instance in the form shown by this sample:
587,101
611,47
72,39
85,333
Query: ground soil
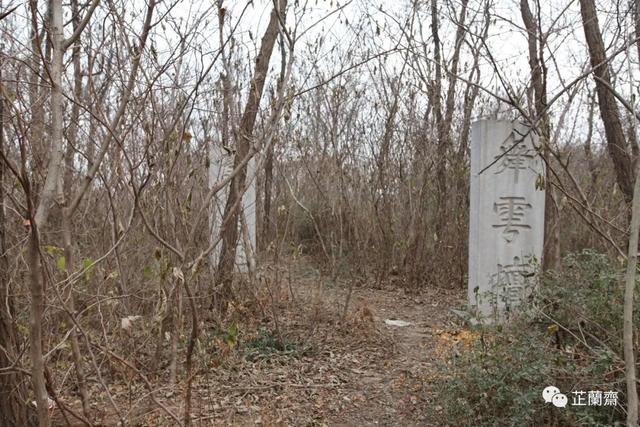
360,370
320,368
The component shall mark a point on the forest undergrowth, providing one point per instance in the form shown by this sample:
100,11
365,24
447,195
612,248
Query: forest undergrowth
285,354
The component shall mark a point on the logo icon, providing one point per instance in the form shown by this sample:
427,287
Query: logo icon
551,394
559,400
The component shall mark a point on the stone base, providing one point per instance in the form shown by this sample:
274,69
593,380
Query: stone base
467,317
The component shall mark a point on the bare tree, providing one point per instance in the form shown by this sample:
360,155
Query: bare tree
616,142
629,290
536,43
13,412
244,142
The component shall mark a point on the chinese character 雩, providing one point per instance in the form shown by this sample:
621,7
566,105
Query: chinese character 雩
511,210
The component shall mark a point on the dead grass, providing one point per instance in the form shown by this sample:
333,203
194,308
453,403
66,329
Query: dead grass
283,356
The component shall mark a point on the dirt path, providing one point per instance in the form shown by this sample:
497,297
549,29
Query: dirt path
395,390
359,372
308,368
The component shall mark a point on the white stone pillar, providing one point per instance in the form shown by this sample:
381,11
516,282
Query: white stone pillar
245,258
221,165
506,219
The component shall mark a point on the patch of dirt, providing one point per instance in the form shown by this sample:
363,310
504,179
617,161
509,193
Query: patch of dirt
357,372
396,385
290,359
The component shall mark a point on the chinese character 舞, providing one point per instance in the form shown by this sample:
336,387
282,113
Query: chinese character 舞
515,157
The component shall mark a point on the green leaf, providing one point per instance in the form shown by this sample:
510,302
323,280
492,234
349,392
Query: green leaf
61,262
53,250
87,265
188,204
232,335
147,272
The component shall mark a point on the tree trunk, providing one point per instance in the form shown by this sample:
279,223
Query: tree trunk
614,133
35,323
551,250
268,164
268,184
245,133
67,220
52,190
441,161
36,100
13,411
39,215
636,16
629,289
624,175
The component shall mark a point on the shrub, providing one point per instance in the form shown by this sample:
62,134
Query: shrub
267,345
571,339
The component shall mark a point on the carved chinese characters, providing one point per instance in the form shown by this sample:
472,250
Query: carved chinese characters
511,214
515,157
506,227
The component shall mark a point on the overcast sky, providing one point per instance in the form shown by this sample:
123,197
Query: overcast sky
346,32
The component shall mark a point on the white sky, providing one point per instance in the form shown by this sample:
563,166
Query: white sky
336,38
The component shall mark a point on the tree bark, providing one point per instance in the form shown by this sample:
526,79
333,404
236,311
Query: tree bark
52,190
268,184
13,411
629,289
624,175
636,16
36,287
551,249
35,322
67,225
245,134
436,94
614,132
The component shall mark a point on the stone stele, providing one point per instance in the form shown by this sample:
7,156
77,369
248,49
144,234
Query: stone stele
506,218
221,166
